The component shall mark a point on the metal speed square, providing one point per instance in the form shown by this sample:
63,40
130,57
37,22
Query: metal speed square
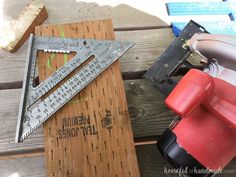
105,53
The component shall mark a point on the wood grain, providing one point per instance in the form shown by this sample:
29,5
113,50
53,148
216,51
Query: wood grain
149,116
151,164
89,131
9,104
23,167
149,45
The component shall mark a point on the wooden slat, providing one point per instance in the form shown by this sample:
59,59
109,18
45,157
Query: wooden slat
89,130
60,11
149,116
23,167
151,164
12,65
9,104
149,45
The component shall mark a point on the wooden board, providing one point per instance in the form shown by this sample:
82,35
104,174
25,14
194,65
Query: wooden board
16,32
151,164
60,11
9,106
86,137
148,113
149,45
23,167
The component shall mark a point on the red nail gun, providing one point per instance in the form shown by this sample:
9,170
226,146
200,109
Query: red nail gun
202,139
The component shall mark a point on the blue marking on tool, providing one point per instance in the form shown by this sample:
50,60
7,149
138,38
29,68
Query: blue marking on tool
198,8
218,27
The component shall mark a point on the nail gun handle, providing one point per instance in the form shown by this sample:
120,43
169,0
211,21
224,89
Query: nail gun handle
214,46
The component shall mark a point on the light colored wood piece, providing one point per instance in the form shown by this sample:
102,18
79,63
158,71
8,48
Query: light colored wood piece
15,32
91,135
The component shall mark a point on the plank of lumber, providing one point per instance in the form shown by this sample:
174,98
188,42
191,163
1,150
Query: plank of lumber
86,137
149,45
148,113
122,15
23,167
9,105
14,33
151,164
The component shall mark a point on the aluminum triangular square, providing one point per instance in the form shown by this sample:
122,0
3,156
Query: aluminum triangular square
105,52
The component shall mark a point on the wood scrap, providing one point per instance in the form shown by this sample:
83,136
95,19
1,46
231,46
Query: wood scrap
14,33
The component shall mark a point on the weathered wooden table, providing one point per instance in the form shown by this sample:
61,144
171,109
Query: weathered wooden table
148,113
